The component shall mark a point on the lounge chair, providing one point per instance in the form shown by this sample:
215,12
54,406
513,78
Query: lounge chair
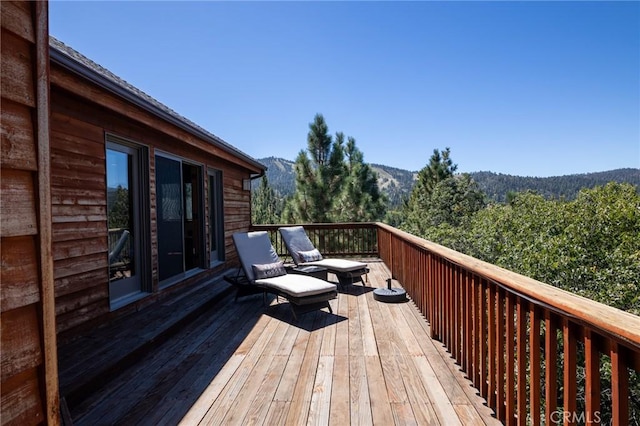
304,253
264,272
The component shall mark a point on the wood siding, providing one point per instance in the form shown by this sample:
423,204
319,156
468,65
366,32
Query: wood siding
82,115
28,342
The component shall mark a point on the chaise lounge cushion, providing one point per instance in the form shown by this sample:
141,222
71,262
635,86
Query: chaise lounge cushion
298,285
254,248
338,265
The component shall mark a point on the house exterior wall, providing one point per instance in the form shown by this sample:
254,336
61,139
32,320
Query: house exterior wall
29,385
82,115
53,207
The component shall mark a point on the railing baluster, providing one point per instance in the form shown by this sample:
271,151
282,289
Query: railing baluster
550,367
439,297
461,301
477,333
534,364
499,349
592,377
468,332
452,331
510,348
521,353
443,302
455,313
491,301
619,386
433,300
483,338
569,373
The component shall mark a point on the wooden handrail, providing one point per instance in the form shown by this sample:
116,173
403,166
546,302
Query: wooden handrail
354,239
617,323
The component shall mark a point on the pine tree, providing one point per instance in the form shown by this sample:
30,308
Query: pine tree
333,183
265,205
119,210
361,199
319,179
440,167
454,201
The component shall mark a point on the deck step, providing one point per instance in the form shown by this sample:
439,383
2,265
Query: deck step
90,361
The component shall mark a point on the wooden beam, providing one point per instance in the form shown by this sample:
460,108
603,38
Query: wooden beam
50,347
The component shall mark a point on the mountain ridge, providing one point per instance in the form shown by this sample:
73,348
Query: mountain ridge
397,183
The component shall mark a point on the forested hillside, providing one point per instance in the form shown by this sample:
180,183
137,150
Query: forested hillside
281,175
496,185
397,183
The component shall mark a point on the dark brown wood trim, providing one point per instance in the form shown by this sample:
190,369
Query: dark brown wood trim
50,347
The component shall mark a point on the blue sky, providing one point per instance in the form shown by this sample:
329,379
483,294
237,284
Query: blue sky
523,88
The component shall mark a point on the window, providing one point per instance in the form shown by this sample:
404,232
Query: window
127,219
216,222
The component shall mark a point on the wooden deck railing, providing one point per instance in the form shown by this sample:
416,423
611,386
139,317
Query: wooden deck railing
528,347
332,239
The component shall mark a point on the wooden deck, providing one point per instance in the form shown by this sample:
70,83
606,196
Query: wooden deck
242,363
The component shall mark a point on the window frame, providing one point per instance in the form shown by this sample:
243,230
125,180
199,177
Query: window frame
174,279
215,216
141,215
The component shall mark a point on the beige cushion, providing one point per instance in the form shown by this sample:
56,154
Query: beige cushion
338,265
298,285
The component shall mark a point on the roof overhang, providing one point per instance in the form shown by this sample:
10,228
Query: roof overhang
73,61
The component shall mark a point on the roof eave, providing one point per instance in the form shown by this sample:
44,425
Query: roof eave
60,58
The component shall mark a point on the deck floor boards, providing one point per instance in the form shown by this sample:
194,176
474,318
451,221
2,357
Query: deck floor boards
240,363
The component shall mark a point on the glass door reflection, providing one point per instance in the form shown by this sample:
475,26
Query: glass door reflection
122,213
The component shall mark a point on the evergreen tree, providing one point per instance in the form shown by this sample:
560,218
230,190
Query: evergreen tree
118,215
415,210
455,200
319,178
361,199
265,205
332,181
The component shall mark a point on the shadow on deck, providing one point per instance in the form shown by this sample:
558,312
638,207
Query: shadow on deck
205,358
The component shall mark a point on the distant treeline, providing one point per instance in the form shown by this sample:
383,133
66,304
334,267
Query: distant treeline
397,183
497,186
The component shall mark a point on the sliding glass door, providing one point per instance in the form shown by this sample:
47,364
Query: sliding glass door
179,217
